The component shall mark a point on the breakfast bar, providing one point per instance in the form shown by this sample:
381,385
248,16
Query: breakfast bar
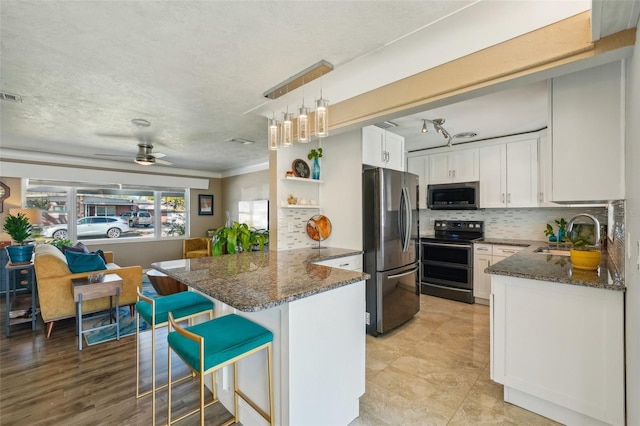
317,316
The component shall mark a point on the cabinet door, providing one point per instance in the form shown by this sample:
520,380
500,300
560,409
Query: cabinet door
544,173
439,171
522,174
420,166
588,156
373,152
464,165
481,280
493,176
394,145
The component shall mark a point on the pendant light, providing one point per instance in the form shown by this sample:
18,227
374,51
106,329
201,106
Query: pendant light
303,124
322,117
273,133
287,136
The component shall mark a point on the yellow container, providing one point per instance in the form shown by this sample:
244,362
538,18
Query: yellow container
585,259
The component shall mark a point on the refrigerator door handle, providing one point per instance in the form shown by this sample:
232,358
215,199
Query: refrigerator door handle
401,220
405,206
413,271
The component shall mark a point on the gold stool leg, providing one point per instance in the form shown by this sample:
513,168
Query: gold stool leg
169,384
270,373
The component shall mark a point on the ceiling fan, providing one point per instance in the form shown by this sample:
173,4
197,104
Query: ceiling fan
145,155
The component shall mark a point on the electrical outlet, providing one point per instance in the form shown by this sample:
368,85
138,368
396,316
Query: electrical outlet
367,318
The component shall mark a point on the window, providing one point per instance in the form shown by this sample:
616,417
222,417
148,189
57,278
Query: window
112,211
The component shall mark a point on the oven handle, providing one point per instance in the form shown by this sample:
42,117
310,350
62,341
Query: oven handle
404,273
448,245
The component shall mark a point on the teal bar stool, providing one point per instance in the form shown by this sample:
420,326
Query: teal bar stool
185,305
209,346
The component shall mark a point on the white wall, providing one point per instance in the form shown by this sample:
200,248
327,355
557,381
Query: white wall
632,275
247,187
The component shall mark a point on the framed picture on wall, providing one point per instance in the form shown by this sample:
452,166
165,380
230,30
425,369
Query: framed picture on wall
205,205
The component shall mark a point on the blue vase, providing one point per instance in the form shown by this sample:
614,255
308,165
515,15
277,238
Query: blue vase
315,172
561,235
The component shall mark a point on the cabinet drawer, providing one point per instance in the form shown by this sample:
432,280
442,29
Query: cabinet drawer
505,251
353,263
482,249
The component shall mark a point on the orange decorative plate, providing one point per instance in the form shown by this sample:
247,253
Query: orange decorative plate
319,227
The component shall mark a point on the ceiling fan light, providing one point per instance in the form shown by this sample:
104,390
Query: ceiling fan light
145,160
424,126
303,125
322,117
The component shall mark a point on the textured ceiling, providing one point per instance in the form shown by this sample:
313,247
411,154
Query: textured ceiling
197,70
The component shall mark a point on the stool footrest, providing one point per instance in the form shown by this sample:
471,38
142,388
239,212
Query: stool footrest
253,405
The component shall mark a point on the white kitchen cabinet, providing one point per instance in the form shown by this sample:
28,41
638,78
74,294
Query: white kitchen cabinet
558,349
381,148
587,118
509,175
420,166
545,173
454,166
485,255
352,263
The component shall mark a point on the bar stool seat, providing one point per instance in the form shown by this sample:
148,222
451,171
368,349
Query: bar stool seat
183,306
209,346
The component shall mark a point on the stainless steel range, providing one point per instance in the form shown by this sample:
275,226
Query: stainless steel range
447,259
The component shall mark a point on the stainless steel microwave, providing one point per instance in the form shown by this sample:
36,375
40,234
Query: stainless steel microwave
454,196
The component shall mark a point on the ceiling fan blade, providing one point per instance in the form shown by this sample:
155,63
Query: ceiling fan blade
163,162
112,155
116,135
159,154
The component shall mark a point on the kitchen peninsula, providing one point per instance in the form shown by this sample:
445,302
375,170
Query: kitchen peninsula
557,342
316,314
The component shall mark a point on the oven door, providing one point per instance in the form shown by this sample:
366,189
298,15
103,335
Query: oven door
447,264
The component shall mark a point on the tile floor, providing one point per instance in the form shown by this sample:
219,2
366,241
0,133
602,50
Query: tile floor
434,370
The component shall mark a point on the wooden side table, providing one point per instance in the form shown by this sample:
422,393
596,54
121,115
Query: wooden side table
26,316
110,286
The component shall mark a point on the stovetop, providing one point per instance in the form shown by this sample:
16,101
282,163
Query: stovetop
457,230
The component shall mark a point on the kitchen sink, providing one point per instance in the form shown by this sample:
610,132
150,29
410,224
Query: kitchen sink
556,252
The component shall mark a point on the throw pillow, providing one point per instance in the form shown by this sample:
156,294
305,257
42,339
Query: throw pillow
84,262
101,254
78,248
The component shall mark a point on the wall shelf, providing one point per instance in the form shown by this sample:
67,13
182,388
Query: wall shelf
307,180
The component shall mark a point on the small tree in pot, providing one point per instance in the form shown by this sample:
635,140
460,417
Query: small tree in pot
19,228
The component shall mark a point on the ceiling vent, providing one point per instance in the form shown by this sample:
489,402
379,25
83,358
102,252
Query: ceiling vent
241,141
10,97
386,125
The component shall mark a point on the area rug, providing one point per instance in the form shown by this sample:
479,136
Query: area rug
127,322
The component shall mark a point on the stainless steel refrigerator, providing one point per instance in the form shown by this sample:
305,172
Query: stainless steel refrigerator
390,234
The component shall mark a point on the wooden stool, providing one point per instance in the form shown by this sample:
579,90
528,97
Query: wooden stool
218,343
184,305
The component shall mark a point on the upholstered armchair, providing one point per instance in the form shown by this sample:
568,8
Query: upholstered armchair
196,247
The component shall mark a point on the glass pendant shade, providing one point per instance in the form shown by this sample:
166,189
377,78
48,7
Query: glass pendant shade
322,118
287,130
303,125
273,134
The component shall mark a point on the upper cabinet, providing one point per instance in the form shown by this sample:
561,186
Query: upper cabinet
454,166
381,148
587,139
420,166
509,175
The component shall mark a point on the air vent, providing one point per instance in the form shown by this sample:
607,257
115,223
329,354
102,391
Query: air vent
241,141
10,97
386,125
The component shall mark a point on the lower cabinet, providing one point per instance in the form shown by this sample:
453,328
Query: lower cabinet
558,349
485,255
352,263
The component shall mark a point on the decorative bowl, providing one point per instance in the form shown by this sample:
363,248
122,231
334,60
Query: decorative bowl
95,278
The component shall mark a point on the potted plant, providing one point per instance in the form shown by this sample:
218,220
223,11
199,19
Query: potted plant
314,154
238,237
19,228
550,233
562,229
584,255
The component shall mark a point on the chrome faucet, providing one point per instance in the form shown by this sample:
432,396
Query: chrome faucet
596,222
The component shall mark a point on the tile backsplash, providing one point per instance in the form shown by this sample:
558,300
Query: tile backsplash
519,224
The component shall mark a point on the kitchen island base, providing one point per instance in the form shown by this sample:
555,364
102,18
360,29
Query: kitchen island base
318,358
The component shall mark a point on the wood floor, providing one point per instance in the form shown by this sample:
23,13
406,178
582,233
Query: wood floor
434,370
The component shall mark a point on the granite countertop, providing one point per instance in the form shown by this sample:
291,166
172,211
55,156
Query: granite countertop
253,281
556,268
508,242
